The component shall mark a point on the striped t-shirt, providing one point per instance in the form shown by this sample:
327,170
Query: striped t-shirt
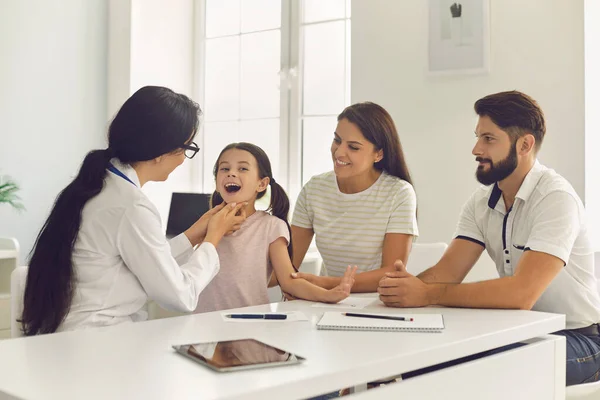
350,228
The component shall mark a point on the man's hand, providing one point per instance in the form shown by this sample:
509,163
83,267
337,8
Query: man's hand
401,289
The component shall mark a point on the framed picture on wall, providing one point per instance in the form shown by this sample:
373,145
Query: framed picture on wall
459,37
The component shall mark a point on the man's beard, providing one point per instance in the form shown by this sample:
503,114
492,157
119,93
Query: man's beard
498,171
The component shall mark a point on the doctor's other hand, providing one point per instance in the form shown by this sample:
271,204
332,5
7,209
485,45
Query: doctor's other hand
401,289
228,219
197,232
238,223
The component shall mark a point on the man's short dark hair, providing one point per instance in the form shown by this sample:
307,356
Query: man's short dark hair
514,112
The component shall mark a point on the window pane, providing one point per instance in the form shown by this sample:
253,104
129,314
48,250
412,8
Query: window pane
217,135
324,68
222,79
260,15
323,10
348,60
260,75
317,135
222,17
265,134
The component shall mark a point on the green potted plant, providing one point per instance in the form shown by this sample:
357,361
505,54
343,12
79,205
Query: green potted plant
8,193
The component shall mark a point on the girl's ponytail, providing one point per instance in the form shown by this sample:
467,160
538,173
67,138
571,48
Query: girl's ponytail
280,207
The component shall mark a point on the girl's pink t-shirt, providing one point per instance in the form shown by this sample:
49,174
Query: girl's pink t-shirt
245,266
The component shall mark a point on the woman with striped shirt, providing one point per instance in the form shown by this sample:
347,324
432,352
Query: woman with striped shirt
364,211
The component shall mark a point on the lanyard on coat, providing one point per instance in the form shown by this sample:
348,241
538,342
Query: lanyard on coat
115,171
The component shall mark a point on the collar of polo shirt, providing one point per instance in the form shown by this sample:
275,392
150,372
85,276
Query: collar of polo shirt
529,183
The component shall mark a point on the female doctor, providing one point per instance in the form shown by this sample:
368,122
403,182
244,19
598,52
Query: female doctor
102,253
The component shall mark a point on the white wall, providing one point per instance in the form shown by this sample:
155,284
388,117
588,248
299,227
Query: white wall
592,119
537,49
159,51
52,101
53,80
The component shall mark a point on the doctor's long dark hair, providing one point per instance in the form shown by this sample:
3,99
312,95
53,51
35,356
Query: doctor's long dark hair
279,205
152,122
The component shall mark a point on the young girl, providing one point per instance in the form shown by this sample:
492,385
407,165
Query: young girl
262,244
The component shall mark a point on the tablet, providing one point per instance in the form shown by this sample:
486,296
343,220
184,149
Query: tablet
237,355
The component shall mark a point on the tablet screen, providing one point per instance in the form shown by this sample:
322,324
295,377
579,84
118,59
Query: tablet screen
240,354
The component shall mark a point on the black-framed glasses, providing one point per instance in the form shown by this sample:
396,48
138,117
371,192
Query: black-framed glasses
191,149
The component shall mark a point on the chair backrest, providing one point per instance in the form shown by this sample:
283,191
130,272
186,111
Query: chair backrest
17,290
312,263
584,391
424,255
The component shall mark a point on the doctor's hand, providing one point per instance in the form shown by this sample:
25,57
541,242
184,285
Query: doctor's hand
238,224
197,232
401,289
225,220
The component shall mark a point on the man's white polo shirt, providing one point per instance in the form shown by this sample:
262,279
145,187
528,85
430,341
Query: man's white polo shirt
547,216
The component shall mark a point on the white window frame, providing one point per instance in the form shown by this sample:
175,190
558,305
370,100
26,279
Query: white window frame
291,96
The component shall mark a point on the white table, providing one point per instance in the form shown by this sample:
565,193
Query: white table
135,360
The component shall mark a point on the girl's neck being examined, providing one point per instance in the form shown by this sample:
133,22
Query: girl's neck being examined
250,209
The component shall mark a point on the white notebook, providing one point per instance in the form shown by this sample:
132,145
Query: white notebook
420,323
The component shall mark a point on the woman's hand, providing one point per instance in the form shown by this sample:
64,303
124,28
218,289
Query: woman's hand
228,219
326,282
314,279
341,291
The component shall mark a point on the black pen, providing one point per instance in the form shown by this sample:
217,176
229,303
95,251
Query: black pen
348,314
257,316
